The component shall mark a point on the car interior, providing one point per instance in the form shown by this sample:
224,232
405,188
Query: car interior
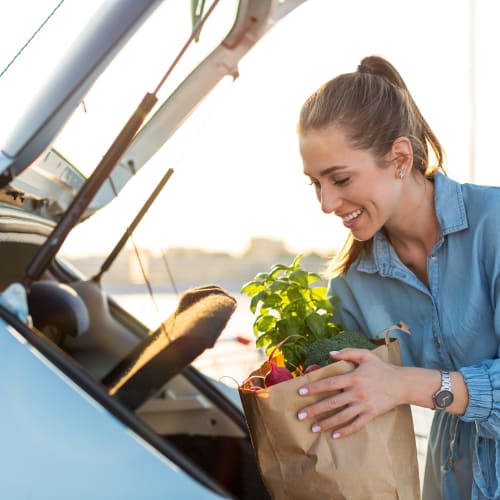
143,377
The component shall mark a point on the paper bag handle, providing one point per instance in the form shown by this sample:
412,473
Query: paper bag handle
398,326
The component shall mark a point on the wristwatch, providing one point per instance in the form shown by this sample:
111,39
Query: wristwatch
443,397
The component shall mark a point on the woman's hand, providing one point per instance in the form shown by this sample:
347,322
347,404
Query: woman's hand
373,388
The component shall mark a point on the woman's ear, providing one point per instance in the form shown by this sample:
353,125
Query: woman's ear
402,151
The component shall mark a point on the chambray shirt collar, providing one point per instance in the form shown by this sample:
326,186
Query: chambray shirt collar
452,217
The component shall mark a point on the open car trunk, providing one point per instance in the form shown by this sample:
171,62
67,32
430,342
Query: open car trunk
188,417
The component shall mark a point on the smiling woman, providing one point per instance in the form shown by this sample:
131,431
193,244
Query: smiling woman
412,231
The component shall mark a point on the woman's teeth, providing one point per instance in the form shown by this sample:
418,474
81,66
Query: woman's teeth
353,215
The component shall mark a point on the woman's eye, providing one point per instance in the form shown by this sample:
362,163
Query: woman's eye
341,182
314,183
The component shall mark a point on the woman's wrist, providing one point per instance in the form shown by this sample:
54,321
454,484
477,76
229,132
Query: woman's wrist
420,384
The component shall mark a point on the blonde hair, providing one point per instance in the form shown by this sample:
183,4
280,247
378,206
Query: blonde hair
373,107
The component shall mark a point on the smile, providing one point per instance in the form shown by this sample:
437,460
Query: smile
352,215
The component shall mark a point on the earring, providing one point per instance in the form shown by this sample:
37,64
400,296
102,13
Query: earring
402,173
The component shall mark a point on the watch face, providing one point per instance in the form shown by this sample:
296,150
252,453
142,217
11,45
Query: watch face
443,399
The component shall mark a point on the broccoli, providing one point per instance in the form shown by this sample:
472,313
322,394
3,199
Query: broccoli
317,351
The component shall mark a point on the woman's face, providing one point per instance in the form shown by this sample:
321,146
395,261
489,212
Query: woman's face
350,183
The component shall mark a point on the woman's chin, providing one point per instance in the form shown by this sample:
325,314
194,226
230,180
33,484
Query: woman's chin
360,235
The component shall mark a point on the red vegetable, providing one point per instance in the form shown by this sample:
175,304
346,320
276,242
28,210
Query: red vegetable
311,368
277,373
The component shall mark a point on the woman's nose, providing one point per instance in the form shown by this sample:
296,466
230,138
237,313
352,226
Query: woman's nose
330,200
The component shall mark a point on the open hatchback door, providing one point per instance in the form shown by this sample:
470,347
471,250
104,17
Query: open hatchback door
94,403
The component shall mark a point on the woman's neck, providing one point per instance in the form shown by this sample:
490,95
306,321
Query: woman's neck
416,223
415,230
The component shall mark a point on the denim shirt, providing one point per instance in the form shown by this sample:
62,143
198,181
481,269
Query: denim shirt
454,324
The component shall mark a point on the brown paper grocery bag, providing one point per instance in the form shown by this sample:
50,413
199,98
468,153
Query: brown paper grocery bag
377,462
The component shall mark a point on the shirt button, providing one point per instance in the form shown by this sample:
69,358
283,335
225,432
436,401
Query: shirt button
437,343
433,256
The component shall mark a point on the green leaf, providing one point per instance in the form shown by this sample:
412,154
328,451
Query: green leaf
321,301
316,324
265,323
279,285
263,340
278,268
319,292
271,300
294,294
300,277
313,277
256,299
289,326
252,287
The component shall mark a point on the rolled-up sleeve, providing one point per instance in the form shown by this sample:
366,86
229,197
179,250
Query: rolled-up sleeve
483,384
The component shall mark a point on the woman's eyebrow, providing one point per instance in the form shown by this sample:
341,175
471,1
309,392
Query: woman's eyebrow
327,170
330,170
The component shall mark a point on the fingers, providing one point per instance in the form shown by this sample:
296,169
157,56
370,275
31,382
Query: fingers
344,404
352,354
338,422
327,384
329,404
358,423
348,420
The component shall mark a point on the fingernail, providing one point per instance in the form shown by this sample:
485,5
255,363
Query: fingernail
302,415
336,435
332,353
315,428
303,391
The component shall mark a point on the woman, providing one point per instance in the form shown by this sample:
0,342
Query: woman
422,249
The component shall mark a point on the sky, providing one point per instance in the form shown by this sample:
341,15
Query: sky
239,174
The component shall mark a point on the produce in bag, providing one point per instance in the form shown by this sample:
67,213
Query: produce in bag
294,324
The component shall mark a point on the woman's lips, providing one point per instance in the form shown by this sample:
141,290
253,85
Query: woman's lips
350,219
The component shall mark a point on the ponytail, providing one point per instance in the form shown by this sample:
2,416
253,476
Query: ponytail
424,138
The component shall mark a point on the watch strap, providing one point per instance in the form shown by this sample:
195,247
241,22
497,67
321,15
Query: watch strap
445,388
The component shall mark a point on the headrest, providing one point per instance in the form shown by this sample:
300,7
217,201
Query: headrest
56,307
199,319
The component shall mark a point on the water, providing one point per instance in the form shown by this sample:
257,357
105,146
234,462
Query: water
230,360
